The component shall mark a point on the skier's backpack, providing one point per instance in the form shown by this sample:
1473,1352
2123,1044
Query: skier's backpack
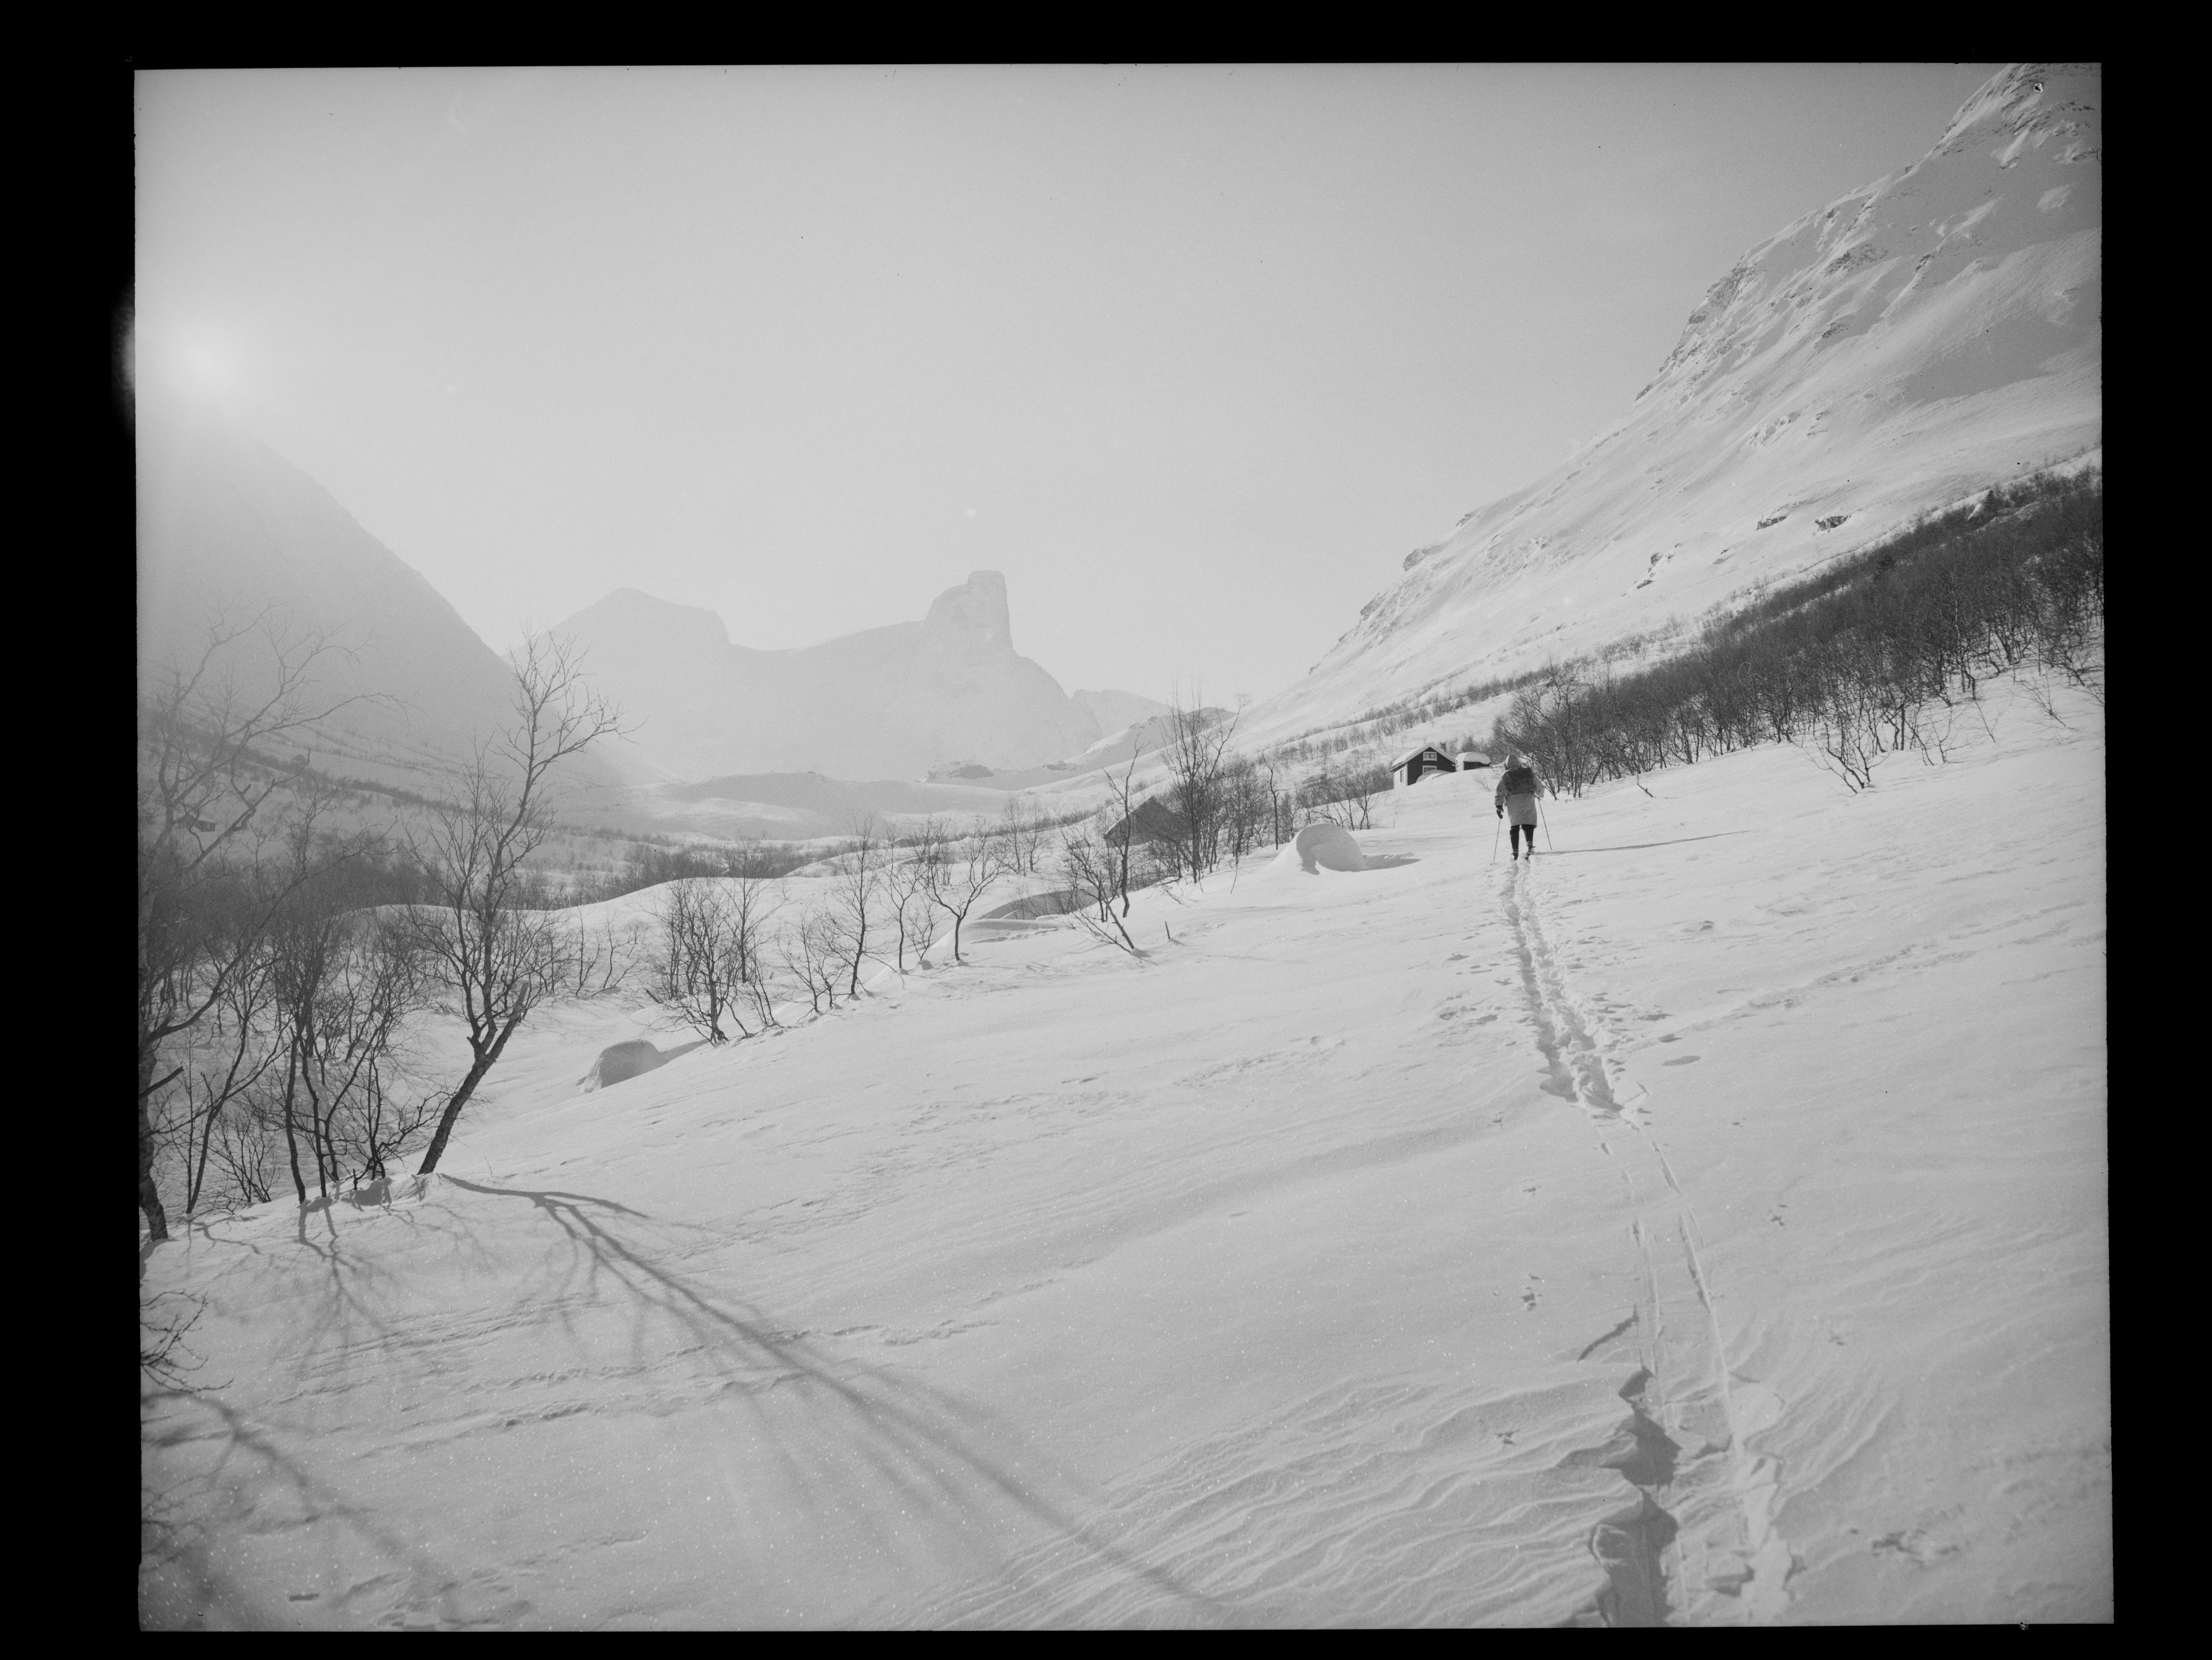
1520,781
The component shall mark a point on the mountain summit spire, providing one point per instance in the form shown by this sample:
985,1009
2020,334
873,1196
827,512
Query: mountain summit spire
886,703
975,610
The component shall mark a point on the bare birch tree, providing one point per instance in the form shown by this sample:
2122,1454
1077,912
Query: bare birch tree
812,953
907,882
1196,751
1279,797
1088,868
1121,836
710,963
857,889
344,982
969,870
205,789
496,956
1025,836
225,1059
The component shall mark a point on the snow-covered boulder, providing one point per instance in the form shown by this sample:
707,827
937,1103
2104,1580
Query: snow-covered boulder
619,1060
1321,847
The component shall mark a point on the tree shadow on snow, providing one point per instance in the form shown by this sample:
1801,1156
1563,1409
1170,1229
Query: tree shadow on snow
182,1582
868,1433
868,1446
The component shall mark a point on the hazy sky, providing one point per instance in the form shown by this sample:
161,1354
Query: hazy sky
1194,356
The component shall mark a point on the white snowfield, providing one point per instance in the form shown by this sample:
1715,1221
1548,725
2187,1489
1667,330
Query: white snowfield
1706,1225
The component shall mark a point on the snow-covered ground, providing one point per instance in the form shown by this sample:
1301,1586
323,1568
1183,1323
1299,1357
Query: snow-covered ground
1706,1224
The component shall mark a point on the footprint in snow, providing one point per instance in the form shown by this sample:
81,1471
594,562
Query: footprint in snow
1682,1060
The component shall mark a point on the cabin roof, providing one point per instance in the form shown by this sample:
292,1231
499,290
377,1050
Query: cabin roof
1152,817
1437,750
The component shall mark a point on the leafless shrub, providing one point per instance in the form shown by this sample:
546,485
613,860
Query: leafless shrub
1344,795
599,960
907,875
1276,782
962,872
1022,837
485,938
223,1062
858,894
812,953
1121,812
710,966
1196,756
205,786
1873,654
1089,868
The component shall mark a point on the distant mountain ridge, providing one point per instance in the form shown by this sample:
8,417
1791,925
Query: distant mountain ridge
1918,340
229,530
1117,710
886,702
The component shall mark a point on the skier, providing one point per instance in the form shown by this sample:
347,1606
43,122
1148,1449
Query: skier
1516,793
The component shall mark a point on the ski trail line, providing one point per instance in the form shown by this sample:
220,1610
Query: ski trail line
1699,1544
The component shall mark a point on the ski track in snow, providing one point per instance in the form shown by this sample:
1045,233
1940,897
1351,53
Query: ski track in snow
1701,1528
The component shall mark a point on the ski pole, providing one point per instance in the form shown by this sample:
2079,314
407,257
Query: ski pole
1497,831
1548,848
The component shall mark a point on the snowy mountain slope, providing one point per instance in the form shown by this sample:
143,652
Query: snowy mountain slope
807,804
229,529
1705,1224
1116,710
888,702
1895,351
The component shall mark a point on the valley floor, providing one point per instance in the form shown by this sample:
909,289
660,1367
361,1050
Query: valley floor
1707,1225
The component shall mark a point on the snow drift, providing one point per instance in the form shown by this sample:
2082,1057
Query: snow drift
619,1061
1321,847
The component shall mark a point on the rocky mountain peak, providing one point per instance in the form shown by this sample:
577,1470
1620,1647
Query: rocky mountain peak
2039,103
975,612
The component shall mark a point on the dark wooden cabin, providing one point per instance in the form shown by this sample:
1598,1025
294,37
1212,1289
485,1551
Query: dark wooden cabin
1154,820
1411,768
